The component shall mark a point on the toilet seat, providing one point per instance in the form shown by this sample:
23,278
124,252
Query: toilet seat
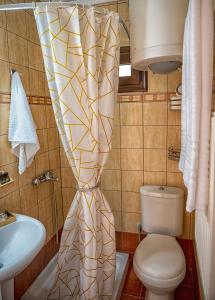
159,261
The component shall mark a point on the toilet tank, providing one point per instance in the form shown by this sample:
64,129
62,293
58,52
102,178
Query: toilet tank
162,209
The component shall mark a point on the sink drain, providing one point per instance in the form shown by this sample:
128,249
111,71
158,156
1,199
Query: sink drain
1,265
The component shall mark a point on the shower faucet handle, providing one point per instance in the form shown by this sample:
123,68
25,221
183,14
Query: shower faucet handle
47,176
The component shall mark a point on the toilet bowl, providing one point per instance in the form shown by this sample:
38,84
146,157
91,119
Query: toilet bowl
159,263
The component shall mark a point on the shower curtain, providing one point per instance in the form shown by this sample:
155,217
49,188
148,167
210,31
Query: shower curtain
81,56
197,75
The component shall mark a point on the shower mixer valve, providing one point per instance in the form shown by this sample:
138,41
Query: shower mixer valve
47,176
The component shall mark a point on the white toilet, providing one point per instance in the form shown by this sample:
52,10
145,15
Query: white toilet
159,261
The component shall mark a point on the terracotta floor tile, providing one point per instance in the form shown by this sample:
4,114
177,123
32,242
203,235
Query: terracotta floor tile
132,285
185,293
188,280
143,292
128,297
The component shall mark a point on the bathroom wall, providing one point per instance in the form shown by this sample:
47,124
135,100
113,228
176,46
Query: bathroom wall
144,129
20,50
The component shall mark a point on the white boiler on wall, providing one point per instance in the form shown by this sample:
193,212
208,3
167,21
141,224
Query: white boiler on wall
156,30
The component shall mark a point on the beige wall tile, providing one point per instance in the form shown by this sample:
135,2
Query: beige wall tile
28,196
155,137
174,117
132,181
113,161
111,180
32,33
64,160
12,202
59,200
132,159
116,137
28,175
118,220
6,155
130,221
42,163
3,45
68,179
131,113
37,82
172,165
45,209
174,136
3,22
50,116
33,212
68,196
4,118
154,160
35,57
5,77
57,184
155,113
44,190
2,204
175,179
54,158
131,136
49,224
156,82
155,178
39,115
131,202
114,200
188,228
17,57
47,93
53,138
173,80
43,140
16,22
116,115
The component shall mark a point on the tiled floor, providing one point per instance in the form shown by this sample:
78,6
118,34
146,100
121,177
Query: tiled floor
188,289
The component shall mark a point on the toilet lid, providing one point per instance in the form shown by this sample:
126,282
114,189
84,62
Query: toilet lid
160,256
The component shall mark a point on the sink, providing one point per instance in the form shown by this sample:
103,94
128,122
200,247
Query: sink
20,242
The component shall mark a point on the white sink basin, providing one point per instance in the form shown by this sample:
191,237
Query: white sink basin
20,242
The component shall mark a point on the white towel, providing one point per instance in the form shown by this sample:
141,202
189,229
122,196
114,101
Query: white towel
22,130
197,76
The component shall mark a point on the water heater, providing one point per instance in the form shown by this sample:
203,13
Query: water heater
156,31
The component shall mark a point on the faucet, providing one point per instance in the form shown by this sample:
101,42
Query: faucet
47,176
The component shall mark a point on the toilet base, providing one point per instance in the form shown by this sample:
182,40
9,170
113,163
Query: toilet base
152,296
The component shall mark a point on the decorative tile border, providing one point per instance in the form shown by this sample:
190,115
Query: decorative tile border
121,98
5,98
143,97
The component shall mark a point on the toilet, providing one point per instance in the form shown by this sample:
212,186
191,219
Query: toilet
159,261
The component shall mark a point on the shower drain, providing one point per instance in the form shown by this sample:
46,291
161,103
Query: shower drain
1,265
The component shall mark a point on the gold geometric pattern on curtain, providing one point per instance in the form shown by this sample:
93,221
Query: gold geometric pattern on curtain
81,56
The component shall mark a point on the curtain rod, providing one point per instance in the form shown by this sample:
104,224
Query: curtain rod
25,6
